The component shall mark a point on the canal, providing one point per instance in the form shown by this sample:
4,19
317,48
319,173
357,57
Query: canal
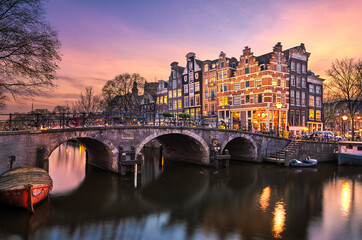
171,200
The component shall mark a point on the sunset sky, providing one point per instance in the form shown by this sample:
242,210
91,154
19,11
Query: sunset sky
101,39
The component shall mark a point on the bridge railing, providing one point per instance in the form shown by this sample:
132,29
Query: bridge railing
48,120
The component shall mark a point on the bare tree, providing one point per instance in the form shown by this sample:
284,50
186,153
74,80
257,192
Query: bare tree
120,93
89,102
345,84
29,50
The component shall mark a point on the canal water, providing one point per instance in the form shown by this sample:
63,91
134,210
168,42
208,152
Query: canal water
172,200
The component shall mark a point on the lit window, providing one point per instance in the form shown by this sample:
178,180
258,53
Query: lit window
206,68
318,115
175,105
226,101
196,75
179,93
174,93
161,100
282,83
224,74
197,100
274,81
311,114
158,100
311,101
179,104
165,99
170,94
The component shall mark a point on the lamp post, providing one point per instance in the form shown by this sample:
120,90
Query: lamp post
279,106
344,119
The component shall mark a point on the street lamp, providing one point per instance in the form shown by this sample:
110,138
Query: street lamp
279,106
344,118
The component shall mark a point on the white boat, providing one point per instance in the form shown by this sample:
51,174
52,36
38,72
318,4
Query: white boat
350,153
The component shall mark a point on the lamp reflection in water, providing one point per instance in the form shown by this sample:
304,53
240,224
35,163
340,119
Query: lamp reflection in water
279,219
346,198
264,198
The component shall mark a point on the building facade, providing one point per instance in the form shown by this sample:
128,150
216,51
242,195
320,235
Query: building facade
192,86
297,58
175,97
270,92
315,102
162,96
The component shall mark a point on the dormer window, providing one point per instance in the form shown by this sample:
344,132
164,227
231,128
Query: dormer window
278,57
222,64
173,74
206,68
190,66
246,61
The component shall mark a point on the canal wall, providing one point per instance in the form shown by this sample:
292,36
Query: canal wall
322,151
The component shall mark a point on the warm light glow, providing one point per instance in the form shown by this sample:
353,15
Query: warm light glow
346,198
305,129
344,118
264,198
279,219
279,105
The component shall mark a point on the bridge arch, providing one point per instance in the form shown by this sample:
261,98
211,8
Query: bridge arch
100,153
241,147
180,145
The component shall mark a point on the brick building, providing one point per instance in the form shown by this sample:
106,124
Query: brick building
175,89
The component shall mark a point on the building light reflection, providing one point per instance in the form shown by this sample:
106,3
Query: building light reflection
346,198
279,219
264,198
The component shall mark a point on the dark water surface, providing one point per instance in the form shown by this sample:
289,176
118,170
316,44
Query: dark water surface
180,201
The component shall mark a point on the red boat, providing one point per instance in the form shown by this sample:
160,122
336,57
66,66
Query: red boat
25,186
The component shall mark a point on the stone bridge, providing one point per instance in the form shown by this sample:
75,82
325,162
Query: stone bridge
105,144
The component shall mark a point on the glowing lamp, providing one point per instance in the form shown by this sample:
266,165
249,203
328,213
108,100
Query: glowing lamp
344,118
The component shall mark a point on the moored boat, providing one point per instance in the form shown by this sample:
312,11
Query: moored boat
303,163
350,153
25,186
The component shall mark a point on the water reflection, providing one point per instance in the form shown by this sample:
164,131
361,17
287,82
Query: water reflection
264,199
67,167
179,201
346,197
279,219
